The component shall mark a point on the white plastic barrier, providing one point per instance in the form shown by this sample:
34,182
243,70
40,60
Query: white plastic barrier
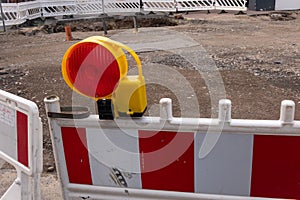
193,5
165,157
189,5
53,8
18,13
122,6
21,145
159,5
239,5
30,10
87,7
11,14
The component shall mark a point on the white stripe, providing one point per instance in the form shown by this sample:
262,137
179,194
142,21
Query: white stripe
8,135
227,168
114,148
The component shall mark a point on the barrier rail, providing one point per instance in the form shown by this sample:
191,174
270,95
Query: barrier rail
113,159
18,13
21,145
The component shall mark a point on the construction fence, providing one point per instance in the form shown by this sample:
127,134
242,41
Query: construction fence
18,13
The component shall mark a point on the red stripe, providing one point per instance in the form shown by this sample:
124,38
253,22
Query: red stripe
276,167
167,160
22,138
76,155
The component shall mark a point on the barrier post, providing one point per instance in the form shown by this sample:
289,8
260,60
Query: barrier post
2,16
224,110
287,112
166,109
104,25
135,25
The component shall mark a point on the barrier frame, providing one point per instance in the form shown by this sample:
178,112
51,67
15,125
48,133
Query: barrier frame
284,126
27,184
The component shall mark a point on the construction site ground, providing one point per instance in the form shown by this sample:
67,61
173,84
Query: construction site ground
257,57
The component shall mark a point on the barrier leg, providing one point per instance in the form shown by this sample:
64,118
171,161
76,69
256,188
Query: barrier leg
20,189
13,192
135,24
104,26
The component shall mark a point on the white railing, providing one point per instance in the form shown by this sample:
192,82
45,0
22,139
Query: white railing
18,13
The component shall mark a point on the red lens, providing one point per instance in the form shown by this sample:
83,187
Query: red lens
93,70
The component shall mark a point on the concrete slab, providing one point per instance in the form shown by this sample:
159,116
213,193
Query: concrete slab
152,39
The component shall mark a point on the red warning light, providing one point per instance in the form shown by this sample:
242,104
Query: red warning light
92,69
97,67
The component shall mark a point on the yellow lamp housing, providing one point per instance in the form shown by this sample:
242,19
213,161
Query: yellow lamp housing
130,96
97,68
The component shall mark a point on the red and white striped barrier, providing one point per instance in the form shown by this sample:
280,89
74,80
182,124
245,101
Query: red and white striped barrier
21,145
130,158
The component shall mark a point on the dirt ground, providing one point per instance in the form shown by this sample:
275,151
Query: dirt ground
258,58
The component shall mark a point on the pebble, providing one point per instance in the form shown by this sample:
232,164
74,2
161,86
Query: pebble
277,62
50,169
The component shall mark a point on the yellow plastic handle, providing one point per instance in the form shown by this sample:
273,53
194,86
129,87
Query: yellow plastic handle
128,49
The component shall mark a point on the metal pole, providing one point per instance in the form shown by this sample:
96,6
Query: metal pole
104,25
2,16
135,24
103,18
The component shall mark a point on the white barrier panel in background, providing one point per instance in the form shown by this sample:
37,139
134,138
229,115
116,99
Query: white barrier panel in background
53,8
186,5
11,14
130,158
239,5
21,145
122,6
18,13
159,5
30,10
89,7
